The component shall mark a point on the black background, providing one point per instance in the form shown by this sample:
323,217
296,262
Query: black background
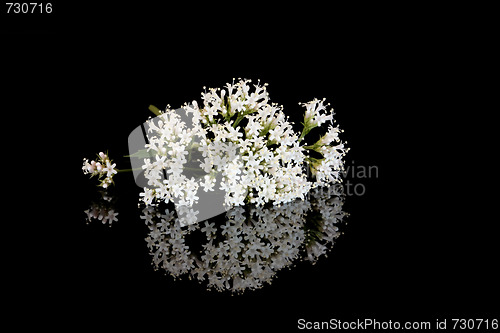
415,247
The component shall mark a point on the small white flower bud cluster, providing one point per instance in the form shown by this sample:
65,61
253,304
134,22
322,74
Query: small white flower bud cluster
313,115
104,169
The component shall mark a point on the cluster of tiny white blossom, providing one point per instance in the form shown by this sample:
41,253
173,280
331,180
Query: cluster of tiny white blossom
102,210
238,133
251,246
104,215
104,169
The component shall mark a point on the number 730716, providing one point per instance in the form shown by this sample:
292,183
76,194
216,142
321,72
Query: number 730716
28,7
475,324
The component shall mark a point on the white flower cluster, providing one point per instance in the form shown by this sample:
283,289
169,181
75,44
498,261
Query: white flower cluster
239,134
102,210
104,215
104,167
250,247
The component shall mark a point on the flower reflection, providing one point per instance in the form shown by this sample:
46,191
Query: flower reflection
102,209
250,246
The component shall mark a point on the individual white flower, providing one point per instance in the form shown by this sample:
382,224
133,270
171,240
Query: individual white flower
253,127
110,169
209,183
191,196
111,216
147,196
209,228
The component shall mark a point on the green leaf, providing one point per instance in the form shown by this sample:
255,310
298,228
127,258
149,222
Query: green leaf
141,153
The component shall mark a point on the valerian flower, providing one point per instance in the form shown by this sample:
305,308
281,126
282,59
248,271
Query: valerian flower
261,160
104,169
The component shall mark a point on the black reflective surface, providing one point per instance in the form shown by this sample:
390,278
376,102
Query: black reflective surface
244,248
418,244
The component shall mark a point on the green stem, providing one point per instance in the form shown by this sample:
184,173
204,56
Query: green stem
126,170
155,110
304,132
314,147
270,142
185,168
242,115
313,160
237,121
